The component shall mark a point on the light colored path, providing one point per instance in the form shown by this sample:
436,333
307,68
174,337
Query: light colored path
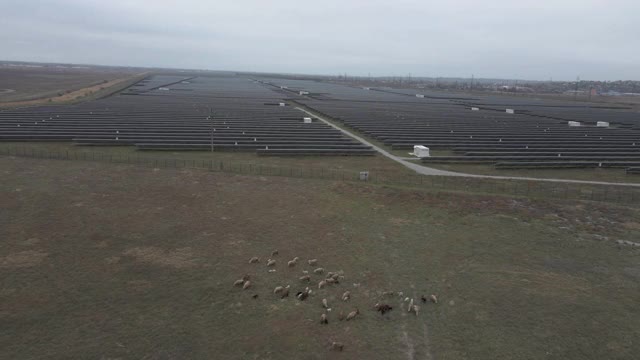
424,170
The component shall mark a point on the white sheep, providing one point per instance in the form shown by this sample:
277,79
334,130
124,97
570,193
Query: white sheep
346,296
410,308
247,284
306,278
278,289
325,303
312,262
318,271
238,282
323,319
433,298
293,262
254,260
352,315
322,284
271,262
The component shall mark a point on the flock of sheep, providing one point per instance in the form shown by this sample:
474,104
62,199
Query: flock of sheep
325,280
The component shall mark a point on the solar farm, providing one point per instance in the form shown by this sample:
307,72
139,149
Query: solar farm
229,112
505,132
221,113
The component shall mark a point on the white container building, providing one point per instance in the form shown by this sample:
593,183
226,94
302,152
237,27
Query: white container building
421,151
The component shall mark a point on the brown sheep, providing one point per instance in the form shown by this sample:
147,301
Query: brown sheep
383,308
323,319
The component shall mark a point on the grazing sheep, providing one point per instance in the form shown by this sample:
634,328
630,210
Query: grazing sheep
410,308
388,293
330,274
274,253
238,282
415,309
352,315
245,277
325,303
305,272
303,295
272,270
434,299
383,308
278,290
336,346
312,262
254,260
306,278
341,316
331,281
401,294
406,299
346,296
293,262
318,271
322,284
254,296
285,292
247,284
271,262
323,319
424,299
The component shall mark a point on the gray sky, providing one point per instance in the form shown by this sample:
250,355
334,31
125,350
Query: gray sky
530,39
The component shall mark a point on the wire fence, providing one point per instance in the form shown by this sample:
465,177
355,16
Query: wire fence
511,187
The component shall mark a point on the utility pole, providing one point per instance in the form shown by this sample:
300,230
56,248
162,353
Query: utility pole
211,117
575,94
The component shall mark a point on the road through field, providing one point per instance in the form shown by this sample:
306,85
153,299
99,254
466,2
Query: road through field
425,170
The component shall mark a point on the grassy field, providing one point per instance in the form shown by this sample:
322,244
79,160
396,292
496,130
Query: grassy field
375,163
608,175
119,262
51,82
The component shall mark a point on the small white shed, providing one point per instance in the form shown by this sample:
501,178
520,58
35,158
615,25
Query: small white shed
475,109
307,120
419,96
510,111
282,104
602,124
574,123
421,151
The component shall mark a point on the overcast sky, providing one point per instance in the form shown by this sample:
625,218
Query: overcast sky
538,39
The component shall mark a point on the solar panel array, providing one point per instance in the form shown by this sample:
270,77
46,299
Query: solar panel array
223,113
537,134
